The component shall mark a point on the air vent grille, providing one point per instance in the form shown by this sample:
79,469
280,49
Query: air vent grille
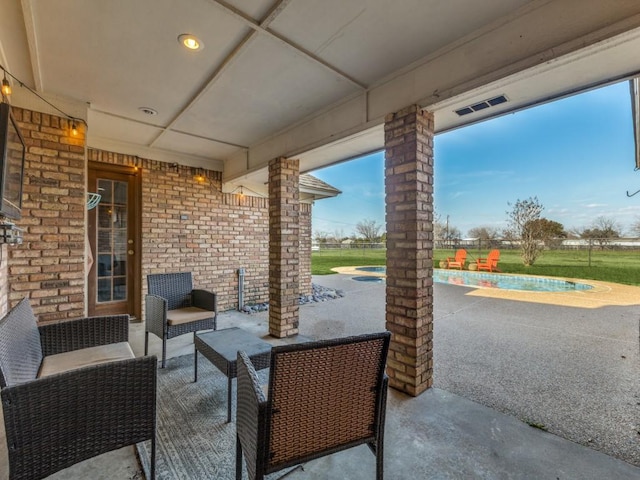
476,107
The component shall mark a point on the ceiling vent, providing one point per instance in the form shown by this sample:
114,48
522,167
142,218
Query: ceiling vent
476,107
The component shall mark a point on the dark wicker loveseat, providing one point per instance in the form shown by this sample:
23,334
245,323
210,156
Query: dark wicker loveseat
323,397
58,412
173,307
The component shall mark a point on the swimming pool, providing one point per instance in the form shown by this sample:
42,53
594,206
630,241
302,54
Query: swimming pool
372,269
496,280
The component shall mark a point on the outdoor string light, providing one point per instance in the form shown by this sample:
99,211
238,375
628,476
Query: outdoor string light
6,90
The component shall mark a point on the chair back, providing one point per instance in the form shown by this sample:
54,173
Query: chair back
325,396
493,257
461,256
174,287
20,347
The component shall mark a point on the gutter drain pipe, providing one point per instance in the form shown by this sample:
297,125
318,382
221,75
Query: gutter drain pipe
240,288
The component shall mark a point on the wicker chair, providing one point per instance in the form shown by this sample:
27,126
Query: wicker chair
323,397
58,412
173,307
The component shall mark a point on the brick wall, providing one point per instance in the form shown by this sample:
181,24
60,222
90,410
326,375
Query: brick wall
221,233
49,265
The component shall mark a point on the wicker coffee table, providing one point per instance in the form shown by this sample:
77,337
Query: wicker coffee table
221,347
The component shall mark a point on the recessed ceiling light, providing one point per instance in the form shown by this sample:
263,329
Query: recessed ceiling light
148,111
190,42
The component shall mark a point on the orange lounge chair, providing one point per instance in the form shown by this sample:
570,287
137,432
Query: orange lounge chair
458,260
490,263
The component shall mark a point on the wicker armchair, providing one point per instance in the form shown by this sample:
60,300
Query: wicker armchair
60,405
173,307
323,397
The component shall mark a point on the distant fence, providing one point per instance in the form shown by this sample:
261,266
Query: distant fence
553,244
348,246
503,244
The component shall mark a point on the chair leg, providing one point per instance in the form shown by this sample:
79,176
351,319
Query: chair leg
379,463
146,343
238,459
152,473
195,364
164,351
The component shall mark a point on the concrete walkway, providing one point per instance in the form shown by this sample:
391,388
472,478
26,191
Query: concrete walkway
499,364
572,371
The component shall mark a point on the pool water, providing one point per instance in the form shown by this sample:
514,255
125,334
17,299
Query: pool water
496,280
371,279
507,282
372,269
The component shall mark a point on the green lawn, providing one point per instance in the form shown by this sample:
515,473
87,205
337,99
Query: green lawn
607,265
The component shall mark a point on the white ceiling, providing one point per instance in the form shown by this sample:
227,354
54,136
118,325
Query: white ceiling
310,78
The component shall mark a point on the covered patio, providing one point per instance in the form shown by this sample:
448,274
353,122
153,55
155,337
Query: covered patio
211,142
449,432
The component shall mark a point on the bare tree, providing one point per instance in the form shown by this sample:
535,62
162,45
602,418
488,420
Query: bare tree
608,225
338,236
439,230
453,234
443,231
635,227
369,230
321,237
602,231
523,226
485,235
575,232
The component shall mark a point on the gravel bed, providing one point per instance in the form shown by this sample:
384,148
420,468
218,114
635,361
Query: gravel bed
318,294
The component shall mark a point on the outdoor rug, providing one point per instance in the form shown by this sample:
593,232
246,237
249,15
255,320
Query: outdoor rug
193,439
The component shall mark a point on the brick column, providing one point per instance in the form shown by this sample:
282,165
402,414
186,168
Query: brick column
305,249
4,279
284,246
409,212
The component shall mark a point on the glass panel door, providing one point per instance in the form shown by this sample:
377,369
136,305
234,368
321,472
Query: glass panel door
114,238
112,241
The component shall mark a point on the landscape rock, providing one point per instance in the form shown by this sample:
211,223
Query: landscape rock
318,294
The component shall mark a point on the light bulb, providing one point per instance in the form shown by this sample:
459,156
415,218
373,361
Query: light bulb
6,88
74,129
191,42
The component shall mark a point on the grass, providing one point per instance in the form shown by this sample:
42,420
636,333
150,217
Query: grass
617,266
324,260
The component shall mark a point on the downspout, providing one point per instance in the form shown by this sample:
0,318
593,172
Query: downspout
240,289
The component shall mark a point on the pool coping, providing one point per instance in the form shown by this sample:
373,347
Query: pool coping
602,294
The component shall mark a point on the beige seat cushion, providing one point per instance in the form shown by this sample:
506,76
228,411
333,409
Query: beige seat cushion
63,362
188,315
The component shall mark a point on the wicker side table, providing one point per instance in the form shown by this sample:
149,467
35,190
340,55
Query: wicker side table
221,348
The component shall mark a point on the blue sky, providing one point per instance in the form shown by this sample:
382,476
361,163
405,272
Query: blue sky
576,155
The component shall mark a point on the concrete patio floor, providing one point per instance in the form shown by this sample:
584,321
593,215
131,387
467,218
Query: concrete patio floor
501,365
